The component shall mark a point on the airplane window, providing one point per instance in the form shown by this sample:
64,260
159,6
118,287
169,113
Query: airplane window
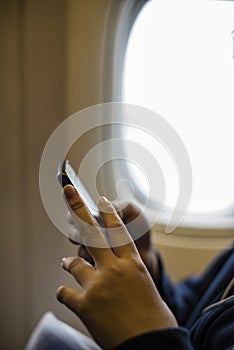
179,63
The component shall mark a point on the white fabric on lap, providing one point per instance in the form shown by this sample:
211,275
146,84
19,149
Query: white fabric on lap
53,334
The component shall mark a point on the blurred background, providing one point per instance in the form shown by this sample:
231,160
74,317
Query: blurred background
47,73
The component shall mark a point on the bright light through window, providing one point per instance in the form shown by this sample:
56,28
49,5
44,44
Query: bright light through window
179,63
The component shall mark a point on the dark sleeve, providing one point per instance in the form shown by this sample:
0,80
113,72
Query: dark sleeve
174,338
215,330
183,297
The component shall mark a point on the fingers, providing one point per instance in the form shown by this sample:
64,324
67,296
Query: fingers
127,211
77,205
120,239
90,232
136,223
80,269
70,218
69,297
92,235
83,273
73,234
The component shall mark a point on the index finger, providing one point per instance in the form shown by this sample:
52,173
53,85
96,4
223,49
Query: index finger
121,241
90,232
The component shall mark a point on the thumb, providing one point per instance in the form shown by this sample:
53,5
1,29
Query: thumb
70,297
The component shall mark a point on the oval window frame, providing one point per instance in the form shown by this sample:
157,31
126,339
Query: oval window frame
121,18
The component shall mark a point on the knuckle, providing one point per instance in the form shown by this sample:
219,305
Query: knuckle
139,265
115,268
73,265
76,204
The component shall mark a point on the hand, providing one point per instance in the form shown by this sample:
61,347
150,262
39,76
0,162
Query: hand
119,299
137,228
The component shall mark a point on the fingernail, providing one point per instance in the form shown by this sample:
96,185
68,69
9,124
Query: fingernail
63,262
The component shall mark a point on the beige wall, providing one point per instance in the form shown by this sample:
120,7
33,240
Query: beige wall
46,74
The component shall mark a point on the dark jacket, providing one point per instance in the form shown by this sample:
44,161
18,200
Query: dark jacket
203,306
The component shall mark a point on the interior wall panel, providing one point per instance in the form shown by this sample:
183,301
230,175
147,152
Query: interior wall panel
12,226
47,73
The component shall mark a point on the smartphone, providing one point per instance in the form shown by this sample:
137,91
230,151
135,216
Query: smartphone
68,176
